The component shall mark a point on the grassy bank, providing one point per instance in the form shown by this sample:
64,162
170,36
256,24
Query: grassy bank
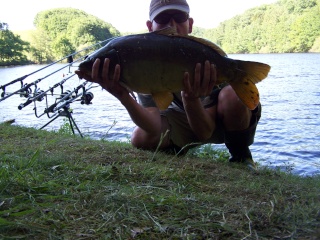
55,186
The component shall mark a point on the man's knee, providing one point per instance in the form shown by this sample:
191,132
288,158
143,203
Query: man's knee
139,139
228,99
233,113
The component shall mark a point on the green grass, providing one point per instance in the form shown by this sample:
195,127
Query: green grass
56,186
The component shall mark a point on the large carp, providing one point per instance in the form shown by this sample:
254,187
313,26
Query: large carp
154,63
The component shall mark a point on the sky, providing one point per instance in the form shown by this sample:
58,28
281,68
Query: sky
125,15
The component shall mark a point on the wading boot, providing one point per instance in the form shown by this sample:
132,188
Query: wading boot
238,143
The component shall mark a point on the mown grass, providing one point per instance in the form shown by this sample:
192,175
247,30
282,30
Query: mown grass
56,186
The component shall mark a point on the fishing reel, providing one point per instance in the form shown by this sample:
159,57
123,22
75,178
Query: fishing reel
37,96
87,98
26,92
3,91
67,95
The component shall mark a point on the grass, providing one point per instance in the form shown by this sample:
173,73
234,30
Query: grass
56,186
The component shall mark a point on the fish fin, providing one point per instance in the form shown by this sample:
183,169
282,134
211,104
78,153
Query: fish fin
248,74
257,71
170,31
209,44
128,89
162,99
247,92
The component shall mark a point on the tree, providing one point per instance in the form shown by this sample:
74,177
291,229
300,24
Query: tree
62,46
12,47
87,31
4,26
286,26
198,32
298,6
305,30
40,51
69,30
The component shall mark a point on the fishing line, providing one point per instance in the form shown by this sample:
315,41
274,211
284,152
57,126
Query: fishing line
61,105
39,94
68,57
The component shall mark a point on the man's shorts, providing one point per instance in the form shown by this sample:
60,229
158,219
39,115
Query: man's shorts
182,136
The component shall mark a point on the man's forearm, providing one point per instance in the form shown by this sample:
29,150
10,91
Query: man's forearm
147,119
201,121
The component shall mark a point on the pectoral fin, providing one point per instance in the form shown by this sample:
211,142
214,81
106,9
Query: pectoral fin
163,99
247,92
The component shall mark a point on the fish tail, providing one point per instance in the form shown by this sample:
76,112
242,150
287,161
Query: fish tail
247,75
256,71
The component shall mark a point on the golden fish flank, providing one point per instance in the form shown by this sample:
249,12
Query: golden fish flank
163,56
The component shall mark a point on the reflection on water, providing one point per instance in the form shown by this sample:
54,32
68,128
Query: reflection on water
288,135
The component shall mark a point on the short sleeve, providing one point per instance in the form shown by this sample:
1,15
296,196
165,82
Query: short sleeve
146,100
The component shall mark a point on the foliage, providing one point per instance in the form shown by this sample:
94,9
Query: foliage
66,128
286,26
68,30
4,26
305,30
40,51
198,31
12,47
316,46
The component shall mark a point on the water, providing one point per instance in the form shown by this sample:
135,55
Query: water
287,137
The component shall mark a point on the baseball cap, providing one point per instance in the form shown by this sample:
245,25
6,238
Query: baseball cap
158,6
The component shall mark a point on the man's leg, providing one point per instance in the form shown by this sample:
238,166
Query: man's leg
240,125
143,140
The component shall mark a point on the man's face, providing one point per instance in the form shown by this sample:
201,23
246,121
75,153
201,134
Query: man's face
172,18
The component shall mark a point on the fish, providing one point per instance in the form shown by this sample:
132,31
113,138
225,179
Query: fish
155,62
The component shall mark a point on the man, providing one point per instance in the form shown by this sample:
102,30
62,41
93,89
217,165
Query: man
190,118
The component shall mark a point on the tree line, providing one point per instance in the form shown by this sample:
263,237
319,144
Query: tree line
285,26
12,47
59,32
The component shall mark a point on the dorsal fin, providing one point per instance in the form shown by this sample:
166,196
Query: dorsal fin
169,31
209,44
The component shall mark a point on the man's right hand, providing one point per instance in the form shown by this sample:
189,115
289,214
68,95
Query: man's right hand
112,85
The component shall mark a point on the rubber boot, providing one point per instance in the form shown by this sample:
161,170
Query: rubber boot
238,143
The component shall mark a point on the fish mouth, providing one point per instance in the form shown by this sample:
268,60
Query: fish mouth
83,75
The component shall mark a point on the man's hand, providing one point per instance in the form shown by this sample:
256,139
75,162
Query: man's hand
200,88
111,85
201,120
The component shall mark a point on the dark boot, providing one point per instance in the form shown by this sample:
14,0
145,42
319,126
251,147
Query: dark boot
238,143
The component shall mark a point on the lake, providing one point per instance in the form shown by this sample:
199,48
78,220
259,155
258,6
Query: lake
287,137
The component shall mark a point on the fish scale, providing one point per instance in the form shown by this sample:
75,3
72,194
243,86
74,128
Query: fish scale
154,63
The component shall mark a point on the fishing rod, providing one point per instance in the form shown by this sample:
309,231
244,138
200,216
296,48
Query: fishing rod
20,79
61,105
69,97
40,94
66,98
27,86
